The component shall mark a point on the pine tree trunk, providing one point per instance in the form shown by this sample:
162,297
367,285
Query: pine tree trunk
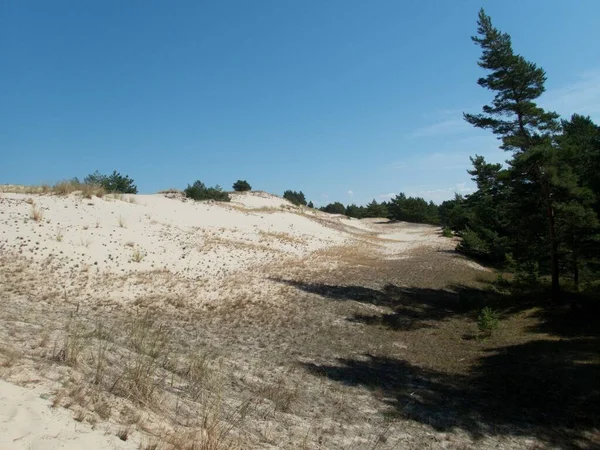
576,274
553,243
554,262
553,253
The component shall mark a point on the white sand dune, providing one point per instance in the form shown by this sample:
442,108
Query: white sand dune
28,422
159,246
154,232
258,199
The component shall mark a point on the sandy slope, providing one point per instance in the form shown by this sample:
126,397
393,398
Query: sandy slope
135,247
183,237
28,422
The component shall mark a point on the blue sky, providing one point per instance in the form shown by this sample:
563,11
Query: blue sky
344,100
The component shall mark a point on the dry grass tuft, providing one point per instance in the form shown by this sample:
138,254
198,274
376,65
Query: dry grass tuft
37,213
90,190
138,255
66,187
123,434
85,241
282,395
80,416
10,357
141,376
171,191
215,431
122,222
60,234
116,196
75,340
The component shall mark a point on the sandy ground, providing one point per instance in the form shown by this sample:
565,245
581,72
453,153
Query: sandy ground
183,237
28,422
71,255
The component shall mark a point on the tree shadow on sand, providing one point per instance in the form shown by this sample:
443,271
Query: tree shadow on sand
411,308
536,389
548,387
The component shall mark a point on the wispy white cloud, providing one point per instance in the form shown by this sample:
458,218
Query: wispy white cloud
350,193
582,96
443,145
443,127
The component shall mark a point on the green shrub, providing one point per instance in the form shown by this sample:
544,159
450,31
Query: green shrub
447,232
483,243
334,208
310,205
472,244
376,210
199,191
241,186
488,321
357,212
526,273
114,182
297,198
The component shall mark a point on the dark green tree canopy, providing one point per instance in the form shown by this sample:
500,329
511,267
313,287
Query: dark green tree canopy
357,212
199,191
334,208
513,114
114,182
297,198
413,209
540,211
376,210
241,186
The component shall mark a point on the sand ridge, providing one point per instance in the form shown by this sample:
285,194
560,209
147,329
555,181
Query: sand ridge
69,255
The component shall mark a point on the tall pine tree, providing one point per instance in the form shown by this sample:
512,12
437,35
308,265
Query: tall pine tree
524,127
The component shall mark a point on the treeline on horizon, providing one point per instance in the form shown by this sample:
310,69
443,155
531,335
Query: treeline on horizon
409,209
403,208
539,215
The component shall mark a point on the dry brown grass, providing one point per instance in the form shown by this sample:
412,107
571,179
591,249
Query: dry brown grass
66,187
268,236
37,213
74,342
116,196
341,349
20,189
213,241
63,188
85,241
138,255
146,364
283,393
90,190
9,357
